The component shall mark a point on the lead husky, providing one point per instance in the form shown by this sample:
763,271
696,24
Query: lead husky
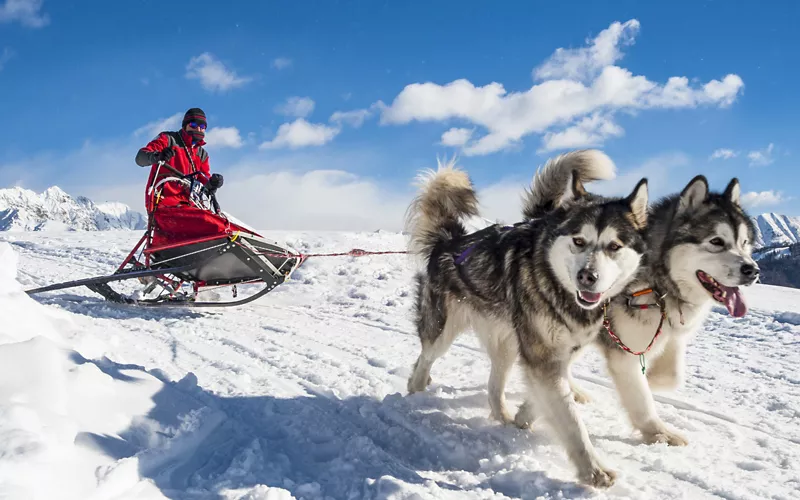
534,289
699,246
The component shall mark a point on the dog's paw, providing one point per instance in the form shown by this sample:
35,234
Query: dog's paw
580,397
599,477
524,417
665,436
416,385
502,416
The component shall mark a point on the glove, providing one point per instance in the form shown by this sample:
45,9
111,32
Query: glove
215,182
165,155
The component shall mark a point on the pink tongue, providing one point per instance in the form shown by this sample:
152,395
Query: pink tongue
590,297
734,301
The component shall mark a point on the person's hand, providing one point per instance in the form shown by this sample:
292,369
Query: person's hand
165,154
215,182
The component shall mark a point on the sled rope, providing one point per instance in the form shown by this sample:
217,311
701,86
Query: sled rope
356,252
618,341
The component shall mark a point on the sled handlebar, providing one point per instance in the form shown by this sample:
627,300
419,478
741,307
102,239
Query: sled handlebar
211,194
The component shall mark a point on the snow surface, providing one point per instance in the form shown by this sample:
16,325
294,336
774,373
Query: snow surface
302,394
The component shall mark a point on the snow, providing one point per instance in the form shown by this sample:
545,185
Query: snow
55,210
302,394
774,229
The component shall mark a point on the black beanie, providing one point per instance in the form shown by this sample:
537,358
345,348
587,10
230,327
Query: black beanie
194,115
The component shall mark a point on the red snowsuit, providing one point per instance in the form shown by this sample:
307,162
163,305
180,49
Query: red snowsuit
188,158
176,218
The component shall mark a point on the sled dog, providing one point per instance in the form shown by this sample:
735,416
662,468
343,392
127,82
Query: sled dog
699,246
532,291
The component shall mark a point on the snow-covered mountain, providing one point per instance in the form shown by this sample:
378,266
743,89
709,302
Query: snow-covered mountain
775,230
24,210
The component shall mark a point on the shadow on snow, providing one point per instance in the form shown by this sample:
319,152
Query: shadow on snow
195,444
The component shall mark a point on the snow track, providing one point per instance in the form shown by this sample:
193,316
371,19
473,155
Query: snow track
302,394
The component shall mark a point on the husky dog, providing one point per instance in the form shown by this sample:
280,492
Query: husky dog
532,291
699,246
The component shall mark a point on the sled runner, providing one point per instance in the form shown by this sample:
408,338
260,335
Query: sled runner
189,249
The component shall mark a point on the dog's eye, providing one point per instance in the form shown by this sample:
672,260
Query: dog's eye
614,246
579,242
717,242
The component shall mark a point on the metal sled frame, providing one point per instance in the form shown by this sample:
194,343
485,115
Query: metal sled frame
221,260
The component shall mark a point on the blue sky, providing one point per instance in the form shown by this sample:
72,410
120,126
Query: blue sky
322,112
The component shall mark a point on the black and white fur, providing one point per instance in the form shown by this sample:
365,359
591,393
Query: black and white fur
696,230
533,292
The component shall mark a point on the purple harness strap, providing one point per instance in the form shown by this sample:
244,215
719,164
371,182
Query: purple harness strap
461,257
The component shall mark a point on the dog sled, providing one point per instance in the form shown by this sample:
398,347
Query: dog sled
186,250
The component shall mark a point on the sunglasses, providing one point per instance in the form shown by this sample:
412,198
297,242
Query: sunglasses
201,126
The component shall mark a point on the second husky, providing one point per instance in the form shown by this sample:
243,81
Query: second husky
532,291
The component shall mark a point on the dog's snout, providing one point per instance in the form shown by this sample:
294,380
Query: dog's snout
587,277
749,270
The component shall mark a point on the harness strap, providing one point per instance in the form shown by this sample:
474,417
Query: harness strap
618,341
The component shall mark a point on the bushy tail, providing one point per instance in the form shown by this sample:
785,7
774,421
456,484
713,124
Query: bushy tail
446,197
555,180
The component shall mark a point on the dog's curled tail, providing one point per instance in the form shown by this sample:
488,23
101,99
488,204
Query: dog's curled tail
555,180
446,197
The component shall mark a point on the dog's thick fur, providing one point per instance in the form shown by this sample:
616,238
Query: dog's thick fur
693,231
533,291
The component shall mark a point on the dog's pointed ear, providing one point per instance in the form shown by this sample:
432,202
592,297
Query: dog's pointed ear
637,201
574,189
694,194
733,192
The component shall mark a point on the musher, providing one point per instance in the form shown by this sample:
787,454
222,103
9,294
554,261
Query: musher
183,150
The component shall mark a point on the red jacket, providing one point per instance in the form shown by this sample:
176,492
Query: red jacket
188,158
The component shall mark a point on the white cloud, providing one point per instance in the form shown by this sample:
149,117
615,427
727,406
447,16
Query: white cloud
299,107
761,158
581,83
356,117
5,56
456,137
301,133
213,74
152,129
224,137
314,200
583,63
281,63
590,131
755,199
663,173
724,154
27,12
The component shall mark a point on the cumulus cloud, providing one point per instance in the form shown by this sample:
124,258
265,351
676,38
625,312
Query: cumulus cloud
723,154
281,63
755,199
590,131
26,12
300,133
299,107
585,62
213,74
224,137
761,158
574,84
456,136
